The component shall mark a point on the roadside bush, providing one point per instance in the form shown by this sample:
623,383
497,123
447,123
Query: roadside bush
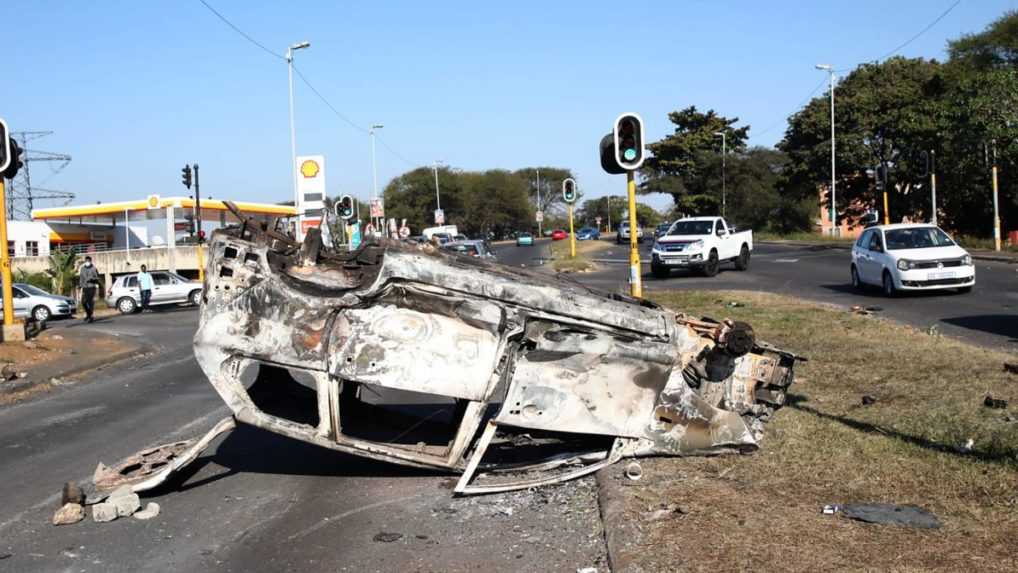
41,280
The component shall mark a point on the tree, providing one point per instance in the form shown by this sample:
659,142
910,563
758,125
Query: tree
551,186
591,209
994,47
62,271
884,114
681,162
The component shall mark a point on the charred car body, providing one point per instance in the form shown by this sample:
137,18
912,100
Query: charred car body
512,378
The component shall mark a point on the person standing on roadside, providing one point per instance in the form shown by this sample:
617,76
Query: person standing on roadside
145,284
88,280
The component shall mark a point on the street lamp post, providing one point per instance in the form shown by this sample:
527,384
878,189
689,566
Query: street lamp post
293,133
438,199
374,168
834,212
539,235
724,152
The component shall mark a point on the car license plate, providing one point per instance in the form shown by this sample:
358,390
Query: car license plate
675,261
936,276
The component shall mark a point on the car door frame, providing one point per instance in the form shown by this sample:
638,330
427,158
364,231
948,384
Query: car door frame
162,293
22,310
724,241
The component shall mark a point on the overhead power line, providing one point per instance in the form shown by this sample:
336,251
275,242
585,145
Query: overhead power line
923,31
308,83
804,101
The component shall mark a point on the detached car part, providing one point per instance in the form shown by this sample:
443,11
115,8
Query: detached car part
405,354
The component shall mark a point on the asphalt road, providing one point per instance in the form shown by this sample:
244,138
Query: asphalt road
987,316
254,501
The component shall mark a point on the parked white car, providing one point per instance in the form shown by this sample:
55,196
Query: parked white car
32,301
701,243
910,257
168,288
623,235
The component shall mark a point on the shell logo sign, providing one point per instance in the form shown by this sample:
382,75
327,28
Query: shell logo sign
152,202
309,168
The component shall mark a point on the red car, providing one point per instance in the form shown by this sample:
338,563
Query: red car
558,235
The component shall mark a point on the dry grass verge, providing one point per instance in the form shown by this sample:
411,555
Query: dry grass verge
762,512
563,263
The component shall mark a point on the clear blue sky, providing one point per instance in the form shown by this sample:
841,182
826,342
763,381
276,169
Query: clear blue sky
133,90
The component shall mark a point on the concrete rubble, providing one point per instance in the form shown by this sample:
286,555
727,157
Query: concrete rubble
509,377
69,513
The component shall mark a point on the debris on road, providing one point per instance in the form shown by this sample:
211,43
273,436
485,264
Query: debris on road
386,537
1011,367
886,514
71,493
104,512
398,352
634,471
869,400
995,403
8,372
69,513
151,510
664,512
126,501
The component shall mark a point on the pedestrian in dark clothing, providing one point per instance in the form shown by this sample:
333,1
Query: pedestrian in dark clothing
88,280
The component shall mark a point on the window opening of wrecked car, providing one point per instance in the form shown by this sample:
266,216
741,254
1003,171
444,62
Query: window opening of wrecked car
916,238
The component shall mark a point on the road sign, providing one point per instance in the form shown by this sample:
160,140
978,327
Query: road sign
539,216
439,217
377,208
310,192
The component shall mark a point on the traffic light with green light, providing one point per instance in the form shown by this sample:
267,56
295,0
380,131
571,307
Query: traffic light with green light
622,149
344,207
569,191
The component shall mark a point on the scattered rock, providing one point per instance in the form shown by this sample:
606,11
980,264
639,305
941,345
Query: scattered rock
734,304
504,510
100,470
869,400
103,512
587,570
1011,367
57,337
126,501
933,330
31,345
22,374
995,403
8,372
72,494
967,446
151,510
69,513
386,537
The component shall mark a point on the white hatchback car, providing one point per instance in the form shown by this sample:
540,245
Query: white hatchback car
910,257
168,288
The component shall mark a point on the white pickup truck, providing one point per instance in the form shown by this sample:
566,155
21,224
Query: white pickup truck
700,243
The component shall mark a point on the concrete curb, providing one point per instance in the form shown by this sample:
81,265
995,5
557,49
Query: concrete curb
975,255
618,532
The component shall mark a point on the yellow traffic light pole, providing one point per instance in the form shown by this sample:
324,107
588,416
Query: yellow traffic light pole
572,235
5,260
635,280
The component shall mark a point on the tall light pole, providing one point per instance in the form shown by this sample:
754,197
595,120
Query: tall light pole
374,168
438,199
293,133
724,152
539,235
834,212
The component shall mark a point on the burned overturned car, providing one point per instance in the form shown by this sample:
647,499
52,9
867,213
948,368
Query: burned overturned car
511,378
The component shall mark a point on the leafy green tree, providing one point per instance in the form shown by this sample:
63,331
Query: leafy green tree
681,162
994,47
551,186
591,209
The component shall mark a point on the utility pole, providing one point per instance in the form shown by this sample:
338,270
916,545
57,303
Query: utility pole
539,234
438,199
374,169
834,212
933,186
996,212
609,213
724,152
293,136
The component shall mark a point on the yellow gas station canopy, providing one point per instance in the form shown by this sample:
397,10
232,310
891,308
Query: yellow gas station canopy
156,202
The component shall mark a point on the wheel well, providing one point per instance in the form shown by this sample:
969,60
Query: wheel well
744,246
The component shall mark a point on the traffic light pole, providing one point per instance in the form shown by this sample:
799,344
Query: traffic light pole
5,262
887,213
572,235
635,280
